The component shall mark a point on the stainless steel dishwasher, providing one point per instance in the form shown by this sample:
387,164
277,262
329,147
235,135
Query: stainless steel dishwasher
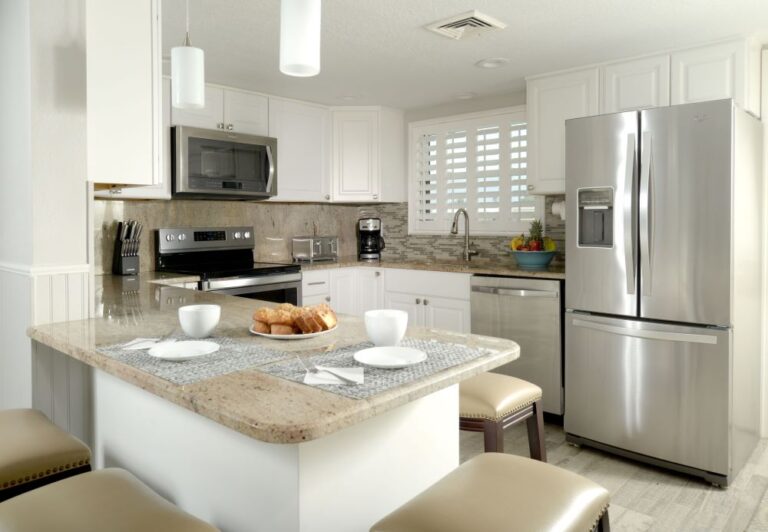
529,312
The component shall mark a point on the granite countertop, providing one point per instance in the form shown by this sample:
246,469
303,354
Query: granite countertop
505,266
251,402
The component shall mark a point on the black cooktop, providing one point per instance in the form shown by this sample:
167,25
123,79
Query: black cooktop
221,264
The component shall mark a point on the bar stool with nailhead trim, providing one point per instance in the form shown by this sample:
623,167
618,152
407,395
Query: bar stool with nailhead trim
491,402
35,452
496,492
106,500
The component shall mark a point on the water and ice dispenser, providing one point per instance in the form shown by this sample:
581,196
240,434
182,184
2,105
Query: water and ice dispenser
595,217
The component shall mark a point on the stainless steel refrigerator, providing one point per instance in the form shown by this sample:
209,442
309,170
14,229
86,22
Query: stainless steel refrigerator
664,284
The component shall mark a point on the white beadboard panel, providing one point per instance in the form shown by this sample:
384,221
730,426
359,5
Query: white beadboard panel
61,296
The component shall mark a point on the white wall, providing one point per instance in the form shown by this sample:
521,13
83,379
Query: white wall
43,193
764,114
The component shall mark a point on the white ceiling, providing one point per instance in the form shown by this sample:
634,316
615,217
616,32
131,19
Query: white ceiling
377,52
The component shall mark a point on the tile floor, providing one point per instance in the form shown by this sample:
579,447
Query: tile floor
647,498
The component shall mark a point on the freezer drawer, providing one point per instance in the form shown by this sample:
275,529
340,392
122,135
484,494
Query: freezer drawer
654,389
528,312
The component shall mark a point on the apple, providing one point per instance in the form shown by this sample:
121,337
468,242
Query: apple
535,245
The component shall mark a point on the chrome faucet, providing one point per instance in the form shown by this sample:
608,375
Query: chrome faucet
468,252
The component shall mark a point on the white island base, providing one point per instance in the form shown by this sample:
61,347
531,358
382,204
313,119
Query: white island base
342,482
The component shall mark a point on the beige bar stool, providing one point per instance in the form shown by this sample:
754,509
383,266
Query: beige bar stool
490,403
35,452
106,500
496,492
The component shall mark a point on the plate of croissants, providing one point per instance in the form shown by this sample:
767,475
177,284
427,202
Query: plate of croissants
289,322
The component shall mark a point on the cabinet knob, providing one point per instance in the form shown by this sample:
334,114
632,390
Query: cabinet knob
230,127
327,196
220,125
377,274
375,196
418,301
328,299
530,187
426,302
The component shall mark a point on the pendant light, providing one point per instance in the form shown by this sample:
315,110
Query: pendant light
187,74
300,37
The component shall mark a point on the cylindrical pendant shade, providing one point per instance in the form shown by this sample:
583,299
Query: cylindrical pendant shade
300,37
187,77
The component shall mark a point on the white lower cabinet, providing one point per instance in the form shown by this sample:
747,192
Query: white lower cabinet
431,299
370,289
344,291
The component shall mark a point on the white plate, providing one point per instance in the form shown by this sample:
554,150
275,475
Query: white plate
290,336
390,357
180,351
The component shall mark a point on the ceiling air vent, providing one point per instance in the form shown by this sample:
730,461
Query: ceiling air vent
469,24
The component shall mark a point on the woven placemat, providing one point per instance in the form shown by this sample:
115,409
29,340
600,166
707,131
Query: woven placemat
440,356
233,355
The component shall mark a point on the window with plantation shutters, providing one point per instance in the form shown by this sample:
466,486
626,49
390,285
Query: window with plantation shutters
478,163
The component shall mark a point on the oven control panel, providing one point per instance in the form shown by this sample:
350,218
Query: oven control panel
177,239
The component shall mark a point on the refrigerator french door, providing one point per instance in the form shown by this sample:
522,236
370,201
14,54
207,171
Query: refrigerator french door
649,287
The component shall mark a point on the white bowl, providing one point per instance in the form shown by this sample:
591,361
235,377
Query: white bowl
199,321
386,327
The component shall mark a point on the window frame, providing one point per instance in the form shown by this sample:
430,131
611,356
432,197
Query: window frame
460,121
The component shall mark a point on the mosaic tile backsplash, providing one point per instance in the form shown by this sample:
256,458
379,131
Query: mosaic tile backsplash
276,223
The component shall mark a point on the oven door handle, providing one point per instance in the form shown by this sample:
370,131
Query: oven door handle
255,282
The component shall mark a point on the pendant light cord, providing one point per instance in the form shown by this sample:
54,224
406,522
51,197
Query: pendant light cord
186,38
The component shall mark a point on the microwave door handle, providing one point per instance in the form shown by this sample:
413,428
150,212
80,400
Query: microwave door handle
271,168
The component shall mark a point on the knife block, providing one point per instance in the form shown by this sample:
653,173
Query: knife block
124,265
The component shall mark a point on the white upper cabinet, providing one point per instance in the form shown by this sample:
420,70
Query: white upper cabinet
302,131
716,72
228,109
368,155
552,100
161,190
636,84
123,61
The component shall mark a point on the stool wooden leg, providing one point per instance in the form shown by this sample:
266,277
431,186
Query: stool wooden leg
535,424
494,437
604,524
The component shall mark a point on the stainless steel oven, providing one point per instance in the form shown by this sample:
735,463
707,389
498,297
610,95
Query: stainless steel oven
277,288
222,164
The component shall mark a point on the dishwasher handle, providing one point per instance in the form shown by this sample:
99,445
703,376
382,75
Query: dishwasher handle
514,292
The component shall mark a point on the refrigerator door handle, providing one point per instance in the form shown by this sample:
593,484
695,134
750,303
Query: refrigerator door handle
648,334
629,213
645,215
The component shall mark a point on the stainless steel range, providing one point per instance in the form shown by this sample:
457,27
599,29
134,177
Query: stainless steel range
223,258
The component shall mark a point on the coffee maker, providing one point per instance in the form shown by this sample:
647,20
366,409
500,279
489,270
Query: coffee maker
369,240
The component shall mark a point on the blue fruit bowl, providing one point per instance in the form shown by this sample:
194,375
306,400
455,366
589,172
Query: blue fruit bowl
533,260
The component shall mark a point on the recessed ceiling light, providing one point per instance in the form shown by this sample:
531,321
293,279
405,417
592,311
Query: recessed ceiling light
492,62
464,95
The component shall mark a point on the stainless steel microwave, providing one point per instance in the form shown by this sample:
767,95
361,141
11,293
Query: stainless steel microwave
216,164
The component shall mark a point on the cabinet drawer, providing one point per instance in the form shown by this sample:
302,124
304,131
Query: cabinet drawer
315,283
428,283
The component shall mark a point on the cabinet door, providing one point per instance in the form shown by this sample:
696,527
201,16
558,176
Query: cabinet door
246,112
355,175
638,84
303,133
410,303
123,61
209,117
309,301
343,293
710,73
551,101
447,314
162,190
370,289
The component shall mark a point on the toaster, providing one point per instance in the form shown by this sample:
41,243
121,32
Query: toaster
312,248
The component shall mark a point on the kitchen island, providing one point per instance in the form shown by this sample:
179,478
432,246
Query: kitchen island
248,450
